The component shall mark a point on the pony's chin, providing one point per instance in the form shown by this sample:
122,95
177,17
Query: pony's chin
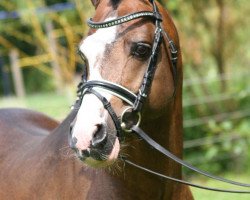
91,162
111,158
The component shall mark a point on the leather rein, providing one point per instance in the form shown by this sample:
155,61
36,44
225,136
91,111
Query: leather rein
136,101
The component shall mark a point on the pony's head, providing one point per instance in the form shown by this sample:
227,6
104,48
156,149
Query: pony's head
129,74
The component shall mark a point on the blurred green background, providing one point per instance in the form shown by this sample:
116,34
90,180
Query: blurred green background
40,68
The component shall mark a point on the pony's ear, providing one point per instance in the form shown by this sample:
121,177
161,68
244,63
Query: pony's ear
95,2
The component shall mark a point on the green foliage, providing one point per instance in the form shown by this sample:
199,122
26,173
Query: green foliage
28,34
208,195
37,81
218,104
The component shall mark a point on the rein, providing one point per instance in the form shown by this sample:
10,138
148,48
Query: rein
136,101
168,154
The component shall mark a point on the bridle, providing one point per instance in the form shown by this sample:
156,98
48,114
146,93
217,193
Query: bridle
136,101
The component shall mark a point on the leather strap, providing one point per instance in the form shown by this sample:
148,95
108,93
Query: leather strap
182,181
120,20
149,74
109,86
167,153
110,110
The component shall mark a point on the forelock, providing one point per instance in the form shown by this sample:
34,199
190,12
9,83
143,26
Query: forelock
115,3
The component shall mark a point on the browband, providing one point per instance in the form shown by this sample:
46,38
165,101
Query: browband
120,20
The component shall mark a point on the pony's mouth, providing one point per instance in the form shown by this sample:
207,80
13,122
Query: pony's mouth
102,156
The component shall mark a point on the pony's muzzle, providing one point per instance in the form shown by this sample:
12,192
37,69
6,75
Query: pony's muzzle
97,145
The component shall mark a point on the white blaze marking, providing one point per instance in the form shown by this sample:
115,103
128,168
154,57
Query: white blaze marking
91,112
93,48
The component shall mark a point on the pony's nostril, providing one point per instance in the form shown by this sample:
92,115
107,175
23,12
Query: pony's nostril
83,154
99,137
86,153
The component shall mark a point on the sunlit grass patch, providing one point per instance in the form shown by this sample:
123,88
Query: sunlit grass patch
210,195
52,104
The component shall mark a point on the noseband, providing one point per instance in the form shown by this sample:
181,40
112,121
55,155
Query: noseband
136,101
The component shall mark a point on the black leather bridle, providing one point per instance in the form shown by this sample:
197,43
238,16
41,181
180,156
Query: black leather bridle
136,101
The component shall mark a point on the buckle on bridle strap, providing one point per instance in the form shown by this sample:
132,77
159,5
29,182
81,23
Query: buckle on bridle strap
130,118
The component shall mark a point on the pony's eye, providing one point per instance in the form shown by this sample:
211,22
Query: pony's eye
141,50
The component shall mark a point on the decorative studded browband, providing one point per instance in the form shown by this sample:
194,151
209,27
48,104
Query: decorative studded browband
136,101
119,20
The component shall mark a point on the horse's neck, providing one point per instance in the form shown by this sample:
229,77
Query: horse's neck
58,139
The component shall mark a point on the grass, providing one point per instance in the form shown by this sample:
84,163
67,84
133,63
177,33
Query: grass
210,195
52,104
58,106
